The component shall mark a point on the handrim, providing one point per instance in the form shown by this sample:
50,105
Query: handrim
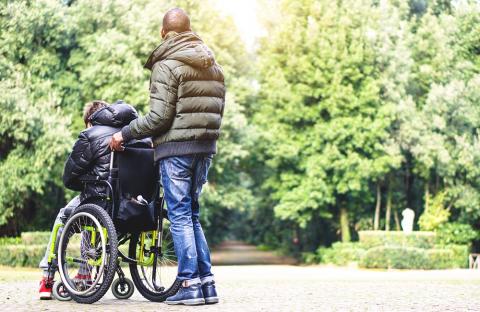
60,255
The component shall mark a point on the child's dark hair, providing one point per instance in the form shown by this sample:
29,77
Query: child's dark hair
92,107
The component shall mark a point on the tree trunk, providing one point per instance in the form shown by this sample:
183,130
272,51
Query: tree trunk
427,195
397,220
376,220
344,226
409,182
388,206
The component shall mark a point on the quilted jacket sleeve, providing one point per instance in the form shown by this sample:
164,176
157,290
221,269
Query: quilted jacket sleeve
78,163
163,99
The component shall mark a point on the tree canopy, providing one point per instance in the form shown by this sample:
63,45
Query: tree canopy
346,113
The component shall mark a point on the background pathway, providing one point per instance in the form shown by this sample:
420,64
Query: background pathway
240,253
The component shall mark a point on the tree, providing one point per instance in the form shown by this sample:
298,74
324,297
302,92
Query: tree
327,106
70,53
34,141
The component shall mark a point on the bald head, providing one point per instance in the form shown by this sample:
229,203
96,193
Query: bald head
175,20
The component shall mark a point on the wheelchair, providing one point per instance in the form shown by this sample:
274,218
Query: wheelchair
93,240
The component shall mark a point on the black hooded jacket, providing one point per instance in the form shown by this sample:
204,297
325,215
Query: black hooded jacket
91,153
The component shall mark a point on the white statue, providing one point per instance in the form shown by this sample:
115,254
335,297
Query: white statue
407,221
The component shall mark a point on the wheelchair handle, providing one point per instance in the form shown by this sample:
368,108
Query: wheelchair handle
112,155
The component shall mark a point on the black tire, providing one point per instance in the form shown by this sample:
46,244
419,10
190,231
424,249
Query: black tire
60,292
112,247
147,293
122,290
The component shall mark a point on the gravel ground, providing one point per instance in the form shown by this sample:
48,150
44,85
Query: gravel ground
284,288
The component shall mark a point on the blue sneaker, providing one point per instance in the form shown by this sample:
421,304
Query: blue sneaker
209,292
187,295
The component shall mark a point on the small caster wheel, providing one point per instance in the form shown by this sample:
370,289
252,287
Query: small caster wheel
60,292
122,289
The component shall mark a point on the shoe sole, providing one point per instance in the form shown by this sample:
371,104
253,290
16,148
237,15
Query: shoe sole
211,300
190,302
45,296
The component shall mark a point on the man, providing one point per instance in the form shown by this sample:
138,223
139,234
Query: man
90,156
187,97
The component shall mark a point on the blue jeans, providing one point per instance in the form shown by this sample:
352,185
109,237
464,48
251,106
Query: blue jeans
182,179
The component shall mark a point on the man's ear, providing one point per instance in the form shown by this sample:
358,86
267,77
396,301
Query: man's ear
163,33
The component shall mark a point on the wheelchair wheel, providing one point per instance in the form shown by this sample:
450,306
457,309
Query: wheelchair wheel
122,289
155,272
87,253
60,292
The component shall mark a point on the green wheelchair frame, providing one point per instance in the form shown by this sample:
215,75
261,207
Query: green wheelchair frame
147,252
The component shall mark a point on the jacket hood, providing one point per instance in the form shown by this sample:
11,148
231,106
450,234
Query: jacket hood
186,47
116,115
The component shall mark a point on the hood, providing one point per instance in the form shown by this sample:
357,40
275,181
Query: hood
186,47
116,115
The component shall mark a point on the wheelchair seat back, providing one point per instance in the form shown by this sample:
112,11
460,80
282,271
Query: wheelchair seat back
137,175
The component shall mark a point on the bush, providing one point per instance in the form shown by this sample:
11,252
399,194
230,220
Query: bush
26,250
395,257
440,259
35,238
10,241
435,215
21,255
456,233
416,239
460,255
341,253
310,258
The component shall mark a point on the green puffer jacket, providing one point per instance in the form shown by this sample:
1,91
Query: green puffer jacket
187,98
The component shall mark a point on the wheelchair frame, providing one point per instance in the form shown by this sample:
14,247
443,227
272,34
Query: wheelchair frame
141,257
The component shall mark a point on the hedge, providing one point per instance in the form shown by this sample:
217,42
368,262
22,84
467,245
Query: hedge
10,241
29,249
35,238
417,239
21,255
396,257
341,253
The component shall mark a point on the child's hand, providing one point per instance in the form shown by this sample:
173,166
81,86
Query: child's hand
116,142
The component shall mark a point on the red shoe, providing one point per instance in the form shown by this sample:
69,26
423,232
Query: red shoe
82,278
82,281
46,285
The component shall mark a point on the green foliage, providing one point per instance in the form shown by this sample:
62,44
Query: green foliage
21,255
456,233
393,250
415,239
34,141
56,57
341,253
322,115
10,241
340,97
24,251
354,95
460,254
396,257
435,215
35,238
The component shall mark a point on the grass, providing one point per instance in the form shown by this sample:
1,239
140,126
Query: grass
9,274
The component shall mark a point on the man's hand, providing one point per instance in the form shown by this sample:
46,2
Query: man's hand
116,142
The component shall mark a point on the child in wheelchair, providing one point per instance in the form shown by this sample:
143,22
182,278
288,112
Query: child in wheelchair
90,157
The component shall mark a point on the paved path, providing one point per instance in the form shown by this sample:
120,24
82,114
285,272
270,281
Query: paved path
284,288
240,253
